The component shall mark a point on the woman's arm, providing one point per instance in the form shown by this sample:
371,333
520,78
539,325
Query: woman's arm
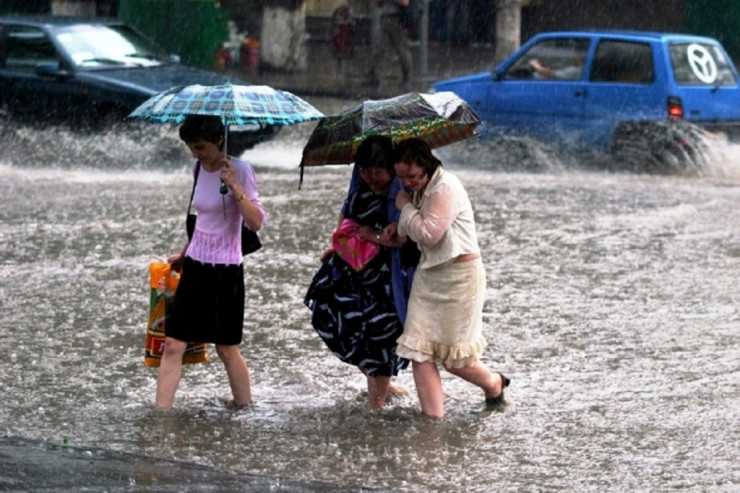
176,260
251,214
245,195
426,227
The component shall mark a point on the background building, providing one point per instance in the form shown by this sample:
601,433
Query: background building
161,19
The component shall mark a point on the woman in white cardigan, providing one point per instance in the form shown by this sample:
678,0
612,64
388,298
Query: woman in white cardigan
445,310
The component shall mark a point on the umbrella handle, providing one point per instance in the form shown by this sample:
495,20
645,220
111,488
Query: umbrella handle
224,189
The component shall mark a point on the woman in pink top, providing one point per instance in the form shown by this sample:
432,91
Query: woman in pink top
445,311
209,301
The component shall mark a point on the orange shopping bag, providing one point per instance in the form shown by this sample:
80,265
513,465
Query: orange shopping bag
163,283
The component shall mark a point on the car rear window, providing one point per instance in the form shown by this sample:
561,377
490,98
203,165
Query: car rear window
623,62
700,64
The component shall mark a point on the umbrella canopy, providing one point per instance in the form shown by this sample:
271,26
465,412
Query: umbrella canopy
235,104
439,119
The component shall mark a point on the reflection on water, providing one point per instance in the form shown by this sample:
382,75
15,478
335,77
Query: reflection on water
612,303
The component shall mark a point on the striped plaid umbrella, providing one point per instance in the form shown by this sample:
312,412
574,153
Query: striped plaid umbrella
235,104
439,118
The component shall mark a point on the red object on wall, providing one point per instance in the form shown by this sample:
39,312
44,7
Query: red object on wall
341,36
249,55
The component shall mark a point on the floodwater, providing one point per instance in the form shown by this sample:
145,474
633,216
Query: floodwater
612,303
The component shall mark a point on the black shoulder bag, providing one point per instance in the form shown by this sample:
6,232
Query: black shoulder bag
250,241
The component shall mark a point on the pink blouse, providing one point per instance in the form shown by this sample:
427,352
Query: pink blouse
217,235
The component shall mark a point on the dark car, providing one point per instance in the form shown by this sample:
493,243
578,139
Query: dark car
609,90
92,72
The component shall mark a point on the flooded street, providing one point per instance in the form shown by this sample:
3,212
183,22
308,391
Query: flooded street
612,303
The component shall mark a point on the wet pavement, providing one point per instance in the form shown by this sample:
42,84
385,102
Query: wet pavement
35,466
30,465
348,77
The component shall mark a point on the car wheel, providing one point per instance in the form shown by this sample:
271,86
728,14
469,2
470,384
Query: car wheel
661,147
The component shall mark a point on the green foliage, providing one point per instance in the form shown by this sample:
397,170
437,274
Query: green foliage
192,29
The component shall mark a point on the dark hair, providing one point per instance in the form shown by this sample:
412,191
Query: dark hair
203,127
376,151
416,151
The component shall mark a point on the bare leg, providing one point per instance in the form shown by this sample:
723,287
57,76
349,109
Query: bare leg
377,391
170,370
479,375
429,388
238,373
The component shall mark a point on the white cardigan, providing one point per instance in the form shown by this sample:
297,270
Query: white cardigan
440,220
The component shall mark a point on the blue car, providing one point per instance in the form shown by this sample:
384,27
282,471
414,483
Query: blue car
608,90
90,73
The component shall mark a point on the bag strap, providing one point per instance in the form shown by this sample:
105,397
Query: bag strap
195,182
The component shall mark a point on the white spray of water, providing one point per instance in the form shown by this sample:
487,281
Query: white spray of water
140,146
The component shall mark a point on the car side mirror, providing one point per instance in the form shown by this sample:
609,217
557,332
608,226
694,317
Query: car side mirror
51,69
497,75
174,58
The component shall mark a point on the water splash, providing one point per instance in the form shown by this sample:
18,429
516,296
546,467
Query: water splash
131,146
143,146
649,152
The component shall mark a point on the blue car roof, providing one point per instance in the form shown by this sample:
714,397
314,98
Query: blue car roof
628,34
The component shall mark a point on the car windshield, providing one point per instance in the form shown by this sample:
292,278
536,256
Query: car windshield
698,64
96,45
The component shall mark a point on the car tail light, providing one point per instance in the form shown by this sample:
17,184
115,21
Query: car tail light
675,108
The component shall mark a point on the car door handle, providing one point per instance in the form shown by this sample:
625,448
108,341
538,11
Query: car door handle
580,93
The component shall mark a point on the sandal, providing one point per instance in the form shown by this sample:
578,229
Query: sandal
499,399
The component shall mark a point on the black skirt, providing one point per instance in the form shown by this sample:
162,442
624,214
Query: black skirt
208,304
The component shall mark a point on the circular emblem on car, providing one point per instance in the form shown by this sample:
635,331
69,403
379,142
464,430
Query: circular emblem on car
702,63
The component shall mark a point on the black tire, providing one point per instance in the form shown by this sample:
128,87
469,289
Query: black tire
659,147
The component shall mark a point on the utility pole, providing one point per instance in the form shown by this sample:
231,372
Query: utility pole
424,42
508,27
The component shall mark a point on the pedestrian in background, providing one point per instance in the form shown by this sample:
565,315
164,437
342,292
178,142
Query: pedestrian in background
393,33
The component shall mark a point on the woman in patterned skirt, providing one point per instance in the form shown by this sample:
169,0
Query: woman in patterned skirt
359,314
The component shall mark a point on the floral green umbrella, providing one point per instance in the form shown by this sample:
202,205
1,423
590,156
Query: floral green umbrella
438,118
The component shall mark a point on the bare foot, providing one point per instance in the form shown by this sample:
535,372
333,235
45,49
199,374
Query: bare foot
394,389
